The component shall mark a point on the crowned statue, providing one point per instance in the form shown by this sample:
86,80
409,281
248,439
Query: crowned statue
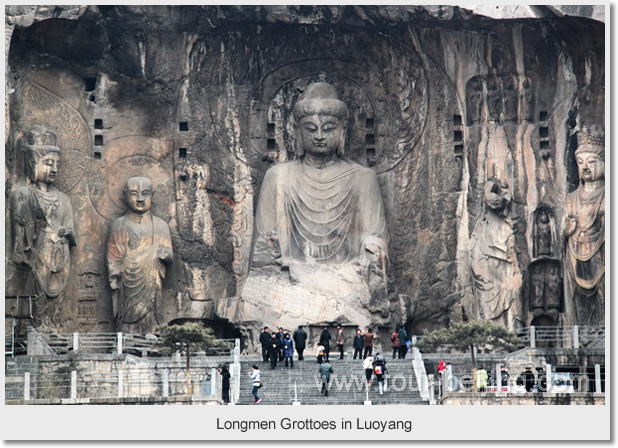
584,231
42,229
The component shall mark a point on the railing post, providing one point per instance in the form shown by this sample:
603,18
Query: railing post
75,341
432,392
27,386
119,342
166,383
548,376
213,382
498,378
120,383
598,388
575,336
532,337
73,384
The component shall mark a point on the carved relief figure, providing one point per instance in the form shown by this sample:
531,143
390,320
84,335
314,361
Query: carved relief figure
42,225
545,288
584,230
543,245
139,249
495,274
324,208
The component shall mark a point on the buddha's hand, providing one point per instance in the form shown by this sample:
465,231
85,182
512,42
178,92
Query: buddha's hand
114,282
164,254
570,225
64,232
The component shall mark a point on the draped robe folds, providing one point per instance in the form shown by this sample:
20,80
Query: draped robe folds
132,256
37,217
321,215
585,256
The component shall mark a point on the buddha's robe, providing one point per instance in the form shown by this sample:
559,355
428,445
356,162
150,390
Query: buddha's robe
132,255
321,215
585,255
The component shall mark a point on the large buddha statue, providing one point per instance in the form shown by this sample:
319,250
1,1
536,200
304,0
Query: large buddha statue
42,226
139,249
584,230
320,241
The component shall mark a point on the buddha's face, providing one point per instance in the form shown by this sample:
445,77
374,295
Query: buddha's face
591,167
139,195
320,134
46,168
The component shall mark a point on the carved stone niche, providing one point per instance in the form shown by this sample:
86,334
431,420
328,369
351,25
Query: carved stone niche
499,98
544,233
544,289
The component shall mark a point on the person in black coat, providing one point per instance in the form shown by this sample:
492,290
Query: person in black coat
325,338
526,379
300,341
358,343
281,336
265,340
274,347
225,384
403,339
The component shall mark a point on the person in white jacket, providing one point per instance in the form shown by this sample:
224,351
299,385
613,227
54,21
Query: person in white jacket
368,366
257,383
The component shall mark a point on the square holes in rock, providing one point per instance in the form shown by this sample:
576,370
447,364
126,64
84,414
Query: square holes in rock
183,126
544,132
370,139
270,128
545,145
271,143
369,123
456,120
98,123
543,115
97,155
459,149
98,140
90,83
182,153
457,136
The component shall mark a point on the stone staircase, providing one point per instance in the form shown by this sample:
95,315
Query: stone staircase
347,384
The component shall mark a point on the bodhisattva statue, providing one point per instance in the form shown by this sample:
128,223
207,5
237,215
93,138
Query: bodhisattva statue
320,241
584,230
42,225
139,249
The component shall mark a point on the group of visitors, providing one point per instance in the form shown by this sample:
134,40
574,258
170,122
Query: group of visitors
279,346
378,368
399,340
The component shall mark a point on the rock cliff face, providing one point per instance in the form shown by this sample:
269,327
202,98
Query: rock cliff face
198,98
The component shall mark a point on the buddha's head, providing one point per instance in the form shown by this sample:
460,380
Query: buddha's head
138,194
321,120
42,154
590,155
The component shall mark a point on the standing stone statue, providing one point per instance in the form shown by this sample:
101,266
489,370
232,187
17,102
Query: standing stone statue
320,243
495,272
42,227
584,230
139,249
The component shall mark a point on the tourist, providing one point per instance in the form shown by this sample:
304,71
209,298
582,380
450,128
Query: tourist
300,340
379,368
403,342
368,366
325,370
396,344
273,350
288,350
369,338
504,379
257,383
265,340
358,343
340,340
280,335
225,383
480,378
320,354
441,368
325,338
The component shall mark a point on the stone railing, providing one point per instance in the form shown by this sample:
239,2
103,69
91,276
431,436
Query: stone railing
565,337
423,381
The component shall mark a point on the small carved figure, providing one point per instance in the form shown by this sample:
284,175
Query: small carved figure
494,98
42,224
545,288
543,236
138,252
584,230
475,100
